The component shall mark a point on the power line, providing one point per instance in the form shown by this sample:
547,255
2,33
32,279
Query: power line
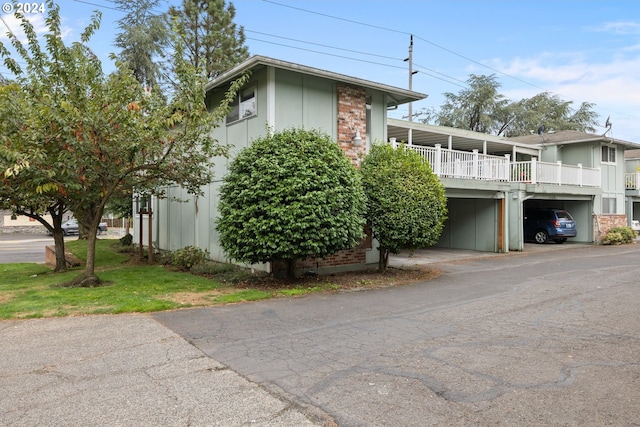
378,27
402,32
99,5
337,17
328,54
323,45
427,70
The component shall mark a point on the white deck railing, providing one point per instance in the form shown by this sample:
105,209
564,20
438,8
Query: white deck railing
632,180
463,164
473,165
535,172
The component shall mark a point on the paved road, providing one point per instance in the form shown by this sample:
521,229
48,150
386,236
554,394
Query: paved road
544,338
18,247
30,247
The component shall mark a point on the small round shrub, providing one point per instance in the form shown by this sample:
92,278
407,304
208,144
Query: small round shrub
618,236
127,240
612,238
189,256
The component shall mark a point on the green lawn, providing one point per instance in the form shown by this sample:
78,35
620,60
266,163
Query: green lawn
32,290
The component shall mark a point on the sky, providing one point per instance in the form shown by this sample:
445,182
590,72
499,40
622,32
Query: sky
581,51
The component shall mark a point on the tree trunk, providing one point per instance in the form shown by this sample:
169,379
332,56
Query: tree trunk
84,218
383,260
91,217
58,240
88,278
284,269
291,269
56,212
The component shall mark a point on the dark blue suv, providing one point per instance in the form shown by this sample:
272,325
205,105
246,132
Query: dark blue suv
542,225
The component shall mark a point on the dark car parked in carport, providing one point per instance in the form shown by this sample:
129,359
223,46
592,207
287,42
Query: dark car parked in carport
542,225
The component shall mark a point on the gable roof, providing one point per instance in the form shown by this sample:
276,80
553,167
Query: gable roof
632,154
396,95
563,137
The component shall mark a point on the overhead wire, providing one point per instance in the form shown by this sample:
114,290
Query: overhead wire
352,21
393,30
430,72
427,71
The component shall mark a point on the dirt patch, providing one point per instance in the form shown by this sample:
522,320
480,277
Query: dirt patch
197,298
340,282
368,279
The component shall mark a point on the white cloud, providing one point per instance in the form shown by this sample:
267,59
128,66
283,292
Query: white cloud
609,82
620,27
9,23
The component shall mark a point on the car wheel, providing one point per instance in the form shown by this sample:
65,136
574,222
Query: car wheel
541,236
64,233
560,241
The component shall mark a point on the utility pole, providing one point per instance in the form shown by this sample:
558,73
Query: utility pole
411,73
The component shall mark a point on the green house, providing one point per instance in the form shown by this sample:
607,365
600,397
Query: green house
279,95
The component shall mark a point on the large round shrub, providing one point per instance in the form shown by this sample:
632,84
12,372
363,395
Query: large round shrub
290,196
406,203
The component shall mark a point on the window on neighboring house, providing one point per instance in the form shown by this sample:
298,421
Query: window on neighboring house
243,106
608,154
608,205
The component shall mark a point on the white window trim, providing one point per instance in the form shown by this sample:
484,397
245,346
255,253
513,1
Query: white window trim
609,149
236,103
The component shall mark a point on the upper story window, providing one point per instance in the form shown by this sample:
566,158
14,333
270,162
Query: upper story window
608,154
243,106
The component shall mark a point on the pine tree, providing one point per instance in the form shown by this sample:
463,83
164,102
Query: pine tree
212,40
142,39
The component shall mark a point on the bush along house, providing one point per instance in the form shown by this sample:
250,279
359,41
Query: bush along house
280,95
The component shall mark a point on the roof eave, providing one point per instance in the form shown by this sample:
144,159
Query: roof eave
444,130
596,139
396,95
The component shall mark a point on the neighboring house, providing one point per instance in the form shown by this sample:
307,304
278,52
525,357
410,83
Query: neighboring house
632,183
609,208
10,223
490,180
280,95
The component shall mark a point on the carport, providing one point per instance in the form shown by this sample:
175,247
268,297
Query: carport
477,217
580,210
479,206
488,182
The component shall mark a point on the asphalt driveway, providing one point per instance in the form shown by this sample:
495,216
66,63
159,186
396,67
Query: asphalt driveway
541,338
538,338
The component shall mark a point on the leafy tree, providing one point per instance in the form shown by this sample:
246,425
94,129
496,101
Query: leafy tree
482,108
406,203
551,112
473,108
142,38
18,179
288,196
102,134
211,39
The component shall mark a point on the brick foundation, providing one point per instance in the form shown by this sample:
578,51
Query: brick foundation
603,223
